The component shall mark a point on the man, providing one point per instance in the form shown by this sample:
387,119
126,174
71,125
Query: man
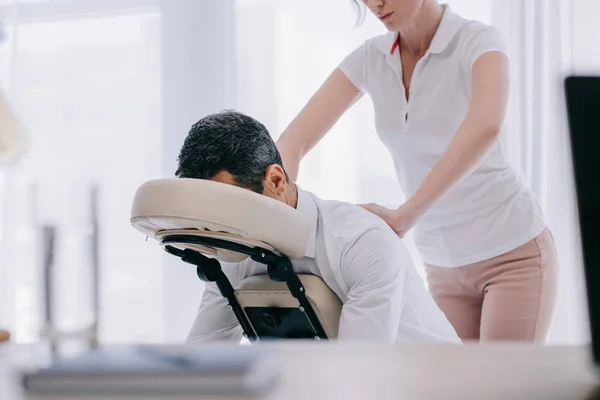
355,253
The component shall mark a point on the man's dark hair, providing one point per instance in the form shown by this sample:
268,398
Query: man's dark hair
228,141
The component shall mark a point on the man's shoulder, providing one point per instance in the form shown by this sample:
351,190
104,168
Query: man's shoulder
351,223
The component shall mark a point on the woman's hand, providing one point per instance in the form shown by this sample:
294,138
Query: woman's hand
401,220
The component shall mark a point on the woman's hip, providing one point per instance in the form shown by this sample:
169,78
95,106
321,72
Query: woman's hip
514,268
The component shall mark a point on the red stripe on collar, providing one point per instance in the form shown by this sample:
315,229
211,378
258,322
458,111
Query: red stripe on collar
395,46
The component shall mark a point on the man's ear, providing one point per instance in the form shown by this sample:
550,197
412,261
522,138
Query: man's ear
275,181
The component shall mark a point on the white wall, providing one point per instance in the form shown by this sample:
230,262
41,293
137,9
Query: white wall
585,40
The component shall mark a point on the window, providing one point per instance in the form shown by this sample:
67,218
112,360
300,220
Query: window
89,89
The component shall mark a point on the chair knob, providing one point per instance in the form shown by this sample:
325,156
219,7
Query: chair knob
4,336
270,321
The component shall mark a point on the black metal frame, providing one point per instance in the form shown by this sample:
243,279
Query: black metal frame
279,269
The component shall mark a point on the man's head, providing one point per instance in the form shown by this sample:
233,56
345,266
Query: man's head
233,148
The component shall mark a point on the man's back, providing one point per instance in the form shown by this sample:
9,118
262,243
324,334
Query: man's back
344,229
369,268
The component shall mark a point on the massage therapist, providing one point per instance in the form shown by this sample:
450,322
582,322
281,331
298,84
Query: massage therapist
439,86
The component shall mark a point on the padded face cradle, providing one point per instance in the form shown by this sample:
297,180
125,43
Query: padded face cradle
208,208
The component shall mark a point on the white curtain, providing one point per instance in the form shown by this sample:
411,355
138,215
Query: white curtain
542,42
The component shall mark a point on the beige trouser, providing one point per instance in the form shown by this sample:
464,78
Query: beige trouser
507,298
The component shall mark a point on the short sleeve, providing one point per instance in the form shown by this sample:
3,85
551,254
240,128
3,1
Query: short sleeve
483,40
354,67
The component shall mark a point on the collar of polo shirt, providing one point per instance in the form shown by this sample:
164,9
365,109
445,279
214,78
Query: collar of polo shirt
449,27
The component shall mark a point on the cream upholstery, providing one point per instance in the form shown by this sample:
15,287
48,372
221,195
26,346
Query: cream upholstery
208,208
260,291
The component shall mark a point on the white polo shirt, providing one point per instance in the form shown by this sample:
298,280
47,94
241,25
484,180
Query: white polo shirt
491,211
361,259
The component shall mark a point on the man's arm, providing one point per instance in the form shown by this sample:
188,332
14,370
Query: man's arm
214,321
376,269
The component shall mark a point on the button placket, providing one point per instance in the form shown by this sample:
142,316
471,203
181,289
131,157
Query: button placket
419,68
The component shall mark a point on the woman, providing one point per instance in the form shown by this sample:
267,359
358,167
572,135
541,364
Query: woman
439,86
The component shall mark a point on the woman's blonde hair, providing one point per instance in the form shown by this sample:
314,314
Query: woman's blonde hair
360,7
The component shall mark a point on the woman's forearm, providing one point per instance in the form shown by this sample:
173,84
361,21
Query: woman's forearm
475,137
291,153
466,151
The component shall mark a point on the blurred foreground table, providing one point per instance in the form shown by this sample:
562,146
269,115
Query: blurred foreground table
314,370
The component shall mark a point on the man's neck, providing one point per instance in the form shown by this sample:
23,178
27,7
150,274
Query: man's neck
291,195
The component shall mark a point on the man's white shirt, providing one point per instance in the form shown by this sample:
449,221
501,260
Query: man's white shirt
363,261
